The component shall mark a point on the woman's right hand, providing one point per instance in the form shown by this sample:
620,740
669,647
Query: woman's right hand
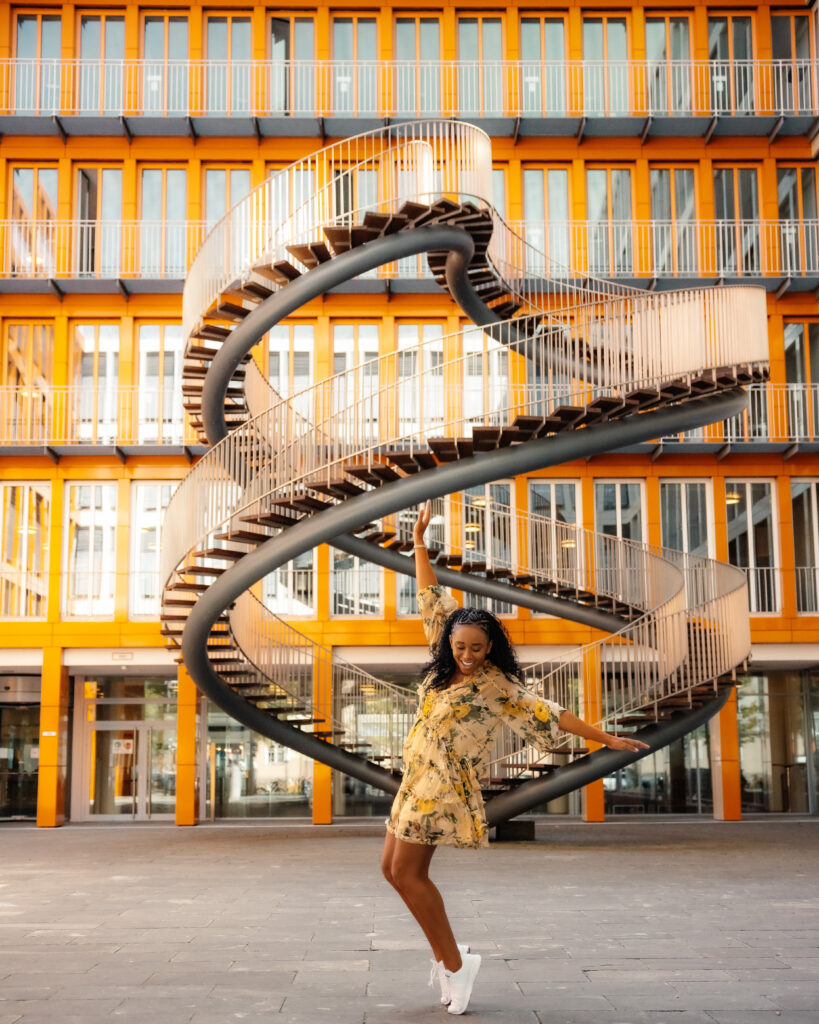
422,522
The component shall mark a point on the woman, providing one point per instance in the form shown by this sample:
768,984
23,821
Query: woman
471,686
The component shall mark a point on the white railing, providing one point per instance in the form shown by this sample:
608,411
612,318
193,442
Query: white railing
763,589
98,248
426,88
807,589
668,249
79,415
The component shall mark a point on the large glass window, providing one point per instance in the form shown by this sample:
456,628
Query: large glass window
489,537
802,379
805,514
33,241
102,53
99,211
608,198
546,212
292,66
228,64
791,51
606,89
160,414
90,550
290,363
93,405
618,509
553,547
356,346
543,66
421,397
356,585
24,526
669,67
355,81
673,220
751,539
25,403
480,67
685,517
736,208
163,219
731,52
417,67
148,504
435,539
798,228
165,71
485,378
224,188
37,68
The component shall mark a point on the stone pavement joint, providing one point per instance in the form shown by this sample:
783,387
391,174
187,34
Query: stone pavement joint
656,922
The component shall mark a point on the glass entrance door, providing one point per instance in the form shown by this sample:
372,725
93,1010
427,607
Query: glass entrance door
19,760
132,770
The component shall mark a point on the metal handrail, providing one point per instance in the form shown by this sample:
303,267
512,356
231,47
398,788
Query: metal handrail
395,88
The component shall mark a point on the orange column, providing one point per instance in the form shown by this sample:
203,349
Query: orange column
725,778
187,790
53,740
322,773
593,800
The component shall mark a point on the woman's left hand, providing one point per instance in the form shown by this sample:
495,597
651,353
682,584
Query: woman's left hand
625,743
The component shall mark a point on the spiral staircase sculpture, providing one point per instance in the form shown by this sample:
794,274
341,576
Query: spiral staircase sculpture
587,366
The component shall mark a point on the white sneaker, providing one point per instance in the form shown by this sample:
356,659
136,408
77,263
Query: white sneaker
461,982
439,971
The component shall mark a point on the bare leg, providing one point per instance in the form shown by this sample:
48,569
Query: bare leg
406,868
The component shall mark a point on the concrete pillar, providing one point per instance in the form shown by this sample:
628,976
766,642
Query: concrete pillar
725,778
51,795
187,790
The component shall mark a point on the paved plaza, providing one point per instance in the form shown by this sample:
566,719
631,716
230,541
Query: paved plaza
690,922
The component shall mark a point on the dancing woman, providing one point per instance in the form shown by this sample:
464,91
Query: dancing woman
471,686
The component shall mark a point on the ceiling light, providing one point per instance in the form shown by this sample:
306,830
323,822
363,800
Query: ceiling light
568,544
732,498
472,528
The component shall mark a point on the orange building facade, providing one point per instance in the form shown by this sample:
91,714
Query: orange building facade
664,147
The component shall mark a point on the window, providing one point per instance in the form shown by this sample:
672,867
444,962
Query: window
148,504
685,517
805,515
543,66
673,220
165,70
736,206
488,536
355,585
480,67
802,379
224,188
485,379
99,210
609,215
292,66
435,537
27,367
618,512
355,49
292,191
421,397
38,64
750,523
102,54
554,553
606,89
90,549
160,415
291,589
546,212
791,51
228,50
33,208
417,67
669,68
290,362
356,346
799,237
24,526
163,218
499,190
93,370
731,52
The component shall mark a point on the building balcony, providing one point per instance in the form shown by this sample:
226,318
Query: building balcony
541,98
58,421
153,256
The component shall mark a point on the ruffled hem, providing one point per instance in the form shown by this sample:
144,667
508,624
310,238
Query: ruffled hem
443,841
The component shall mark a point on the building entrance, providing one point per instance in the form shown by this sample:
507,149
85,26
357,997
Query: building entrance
19,760
124,750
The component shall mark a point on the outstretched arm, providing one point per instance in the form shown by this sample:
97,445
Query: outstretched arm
424,573
571,723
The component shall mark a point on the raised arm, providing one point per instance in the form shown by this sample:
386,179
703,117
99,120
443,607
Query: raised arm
424,573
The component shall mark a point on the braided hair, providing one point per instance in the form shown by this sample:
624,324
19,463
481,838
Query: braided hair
442,665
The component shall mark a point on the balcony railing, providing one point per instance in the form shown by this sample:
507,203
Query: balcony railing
93,416
372,88
619,249
674,249
98,248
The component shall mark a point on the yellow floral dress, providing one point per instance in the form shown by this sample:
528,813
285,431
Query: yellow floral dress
445,753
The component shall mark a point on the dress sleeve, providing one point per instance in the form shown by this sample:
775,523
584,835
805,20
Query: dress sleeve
435,606
530,716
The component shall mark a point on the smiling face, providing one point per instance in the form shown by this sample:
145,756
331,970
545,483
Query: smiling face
470,647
